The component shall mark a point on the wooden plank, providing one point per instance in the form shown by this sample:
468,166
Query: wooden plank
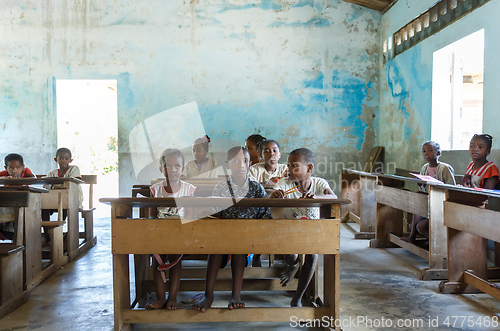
72,235
438,245
259,236
220,202
482,285
368,213
351,190
121,290
485,224
14,199
8,307
409,247
33,240
248,314
331,284
415,203
249,285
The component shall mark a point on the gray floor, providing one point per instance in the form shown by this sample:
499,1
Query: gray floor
375,284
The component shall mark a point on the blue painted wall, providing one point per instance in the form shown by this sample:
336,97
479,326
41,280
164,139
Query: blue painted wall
304,72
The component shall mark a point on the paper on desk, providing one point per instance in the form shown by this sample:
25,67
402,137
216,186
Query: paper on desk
427,179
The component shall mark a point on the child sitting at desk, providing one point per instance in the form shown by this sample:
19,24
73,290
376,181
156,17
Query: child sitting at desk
171,166
14,168
444,172
270,171
237,186
481,173
65,170
201,166
301,185
254,146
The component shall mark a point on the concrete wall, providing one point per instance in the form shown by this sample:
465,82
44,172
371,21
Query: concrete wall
303,72
406,84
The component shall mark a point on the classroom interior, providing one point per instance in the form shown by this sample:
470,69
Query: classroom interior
328,75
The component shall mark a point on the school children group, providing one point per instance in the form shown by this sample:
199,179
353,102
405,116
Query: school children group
251,167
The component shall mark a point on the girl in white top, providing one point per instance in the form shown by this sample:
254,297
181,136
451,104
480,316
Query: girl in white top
270,171
444,172
171,165
254,146
201,166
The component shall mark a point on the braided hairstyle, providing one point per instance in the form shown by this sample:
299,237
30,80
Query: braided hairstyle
204,141
486,137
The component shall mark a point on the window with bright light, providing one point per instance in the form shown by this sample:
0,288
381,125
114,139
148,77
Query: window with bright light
457,92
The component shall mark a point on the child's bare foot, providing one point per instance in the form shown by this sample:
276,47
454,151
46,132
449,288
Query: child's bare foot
296,303
156,305
304,301
235,303
203,305
172,304
288,274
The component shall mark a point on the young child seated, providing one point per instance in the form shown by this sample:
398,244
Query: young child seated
171,166
254,146
201,166
270,171
481,173
237,186
14,168
65,170
444,172
300,166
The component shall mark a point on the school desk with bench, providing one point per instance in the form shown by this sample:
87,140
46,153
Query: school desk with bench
67,198
20,261
469,225
392,200
241,236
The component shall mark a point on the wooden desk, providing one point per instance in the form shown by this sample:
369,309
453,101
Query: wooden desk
69,197
468,228
22,206
140,236
359,187
392,201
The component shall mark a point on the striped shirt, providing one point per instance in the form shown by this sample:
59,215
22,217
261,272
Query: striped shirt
479,175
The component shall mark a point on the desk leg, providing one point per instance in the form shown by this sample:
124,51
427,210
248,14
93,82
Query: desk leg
73,234
438,249
33,241
388,218
140,265
121,290
465,252
331,278
368,211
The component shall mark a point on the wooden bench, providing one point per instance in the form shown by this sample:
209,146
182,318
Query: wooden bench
392,201
469,226
135,236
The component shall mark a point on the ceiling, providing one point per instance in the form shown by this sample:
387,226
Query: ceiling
379,5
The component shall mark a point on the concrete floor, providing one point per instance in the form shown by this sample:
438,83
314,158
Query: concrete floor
376,283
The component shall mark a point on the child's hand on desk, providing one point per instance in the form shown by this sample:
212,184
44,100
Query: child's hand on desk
466,181
273,180
306,195
278,194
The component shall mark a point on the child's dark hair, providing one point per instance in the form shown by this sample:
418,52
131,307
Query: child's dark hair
265,142
13,157
233,151
63,150
258,140
306,154
434,144
486,137
204,141
169,151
